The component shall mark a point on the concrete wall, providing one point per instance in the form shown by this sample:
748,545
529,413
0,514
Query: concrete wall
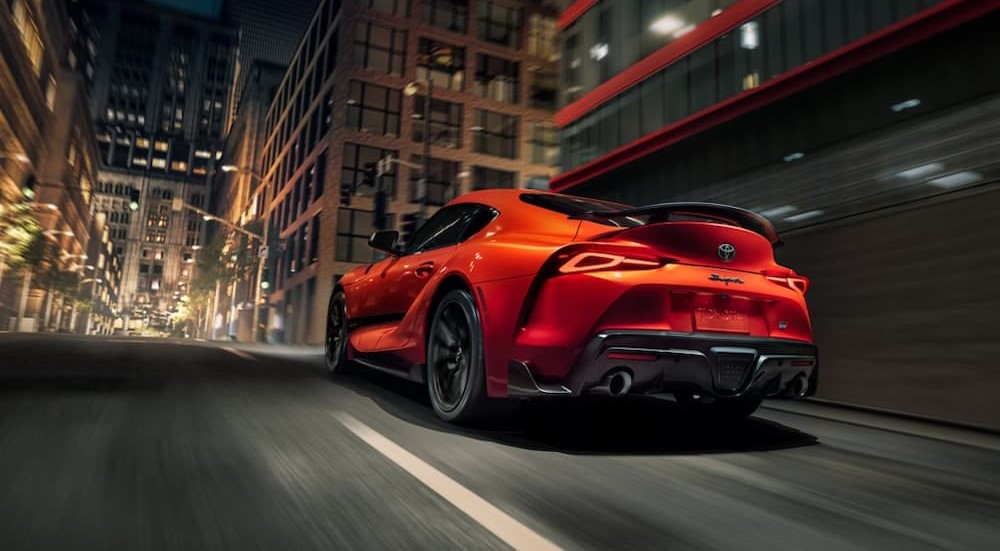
906,306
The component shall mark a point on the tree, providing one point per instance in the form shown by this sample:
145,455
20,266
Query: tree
18,229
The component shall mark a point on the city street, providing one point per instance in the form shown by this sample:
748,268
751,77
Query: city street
122,443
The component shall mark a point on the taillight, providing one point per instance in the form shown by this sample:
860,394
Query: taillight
591,261
798,283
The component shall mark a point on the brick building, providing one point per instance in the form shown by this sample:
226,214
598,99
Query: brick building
341,106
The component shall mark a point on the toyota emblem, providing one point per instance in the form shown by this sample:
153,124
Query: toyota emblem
727,252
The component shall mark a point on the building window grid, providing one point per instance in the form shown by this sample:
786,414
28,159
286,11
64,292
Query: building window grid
373,108
356,156
544,143
497,78
445,124
450,15
354,227
442,180
756,51
399,8
499,24
496,134
492,178
380,48
445,72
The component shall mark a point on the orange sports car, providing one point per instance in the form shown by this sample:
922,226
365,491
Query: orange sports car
505,295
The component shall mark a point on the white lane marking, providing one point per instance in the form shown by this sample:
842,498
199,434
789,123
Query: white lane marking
501,524
239,353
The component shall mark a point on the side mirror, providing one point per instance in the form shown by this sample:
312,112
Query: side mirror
385,241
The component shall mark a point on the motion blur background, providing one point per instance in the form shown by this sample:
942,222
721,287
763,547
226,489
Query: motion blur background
867,130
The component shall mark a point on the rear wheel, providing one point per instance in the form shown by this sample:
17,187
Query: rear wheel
336,335
725,410
456,362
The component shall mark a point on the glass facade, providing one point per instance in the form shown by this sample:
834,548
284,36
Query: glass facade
782,38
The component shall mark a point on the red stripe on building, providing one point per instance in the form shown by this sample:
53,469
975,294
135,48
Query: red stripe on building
574,11
704,33
933,21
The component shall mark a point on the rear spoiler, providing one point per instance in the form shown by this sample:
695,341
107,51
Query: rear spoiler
664,211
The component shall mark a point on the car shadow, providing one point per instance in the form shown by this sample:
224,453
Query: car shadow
587,426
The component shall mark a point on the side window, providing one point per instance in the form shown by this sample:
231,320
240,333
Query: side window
478,220
443,229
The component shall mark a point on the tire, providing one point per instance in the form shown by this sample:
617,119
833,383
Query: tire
718,410
456,363
336,335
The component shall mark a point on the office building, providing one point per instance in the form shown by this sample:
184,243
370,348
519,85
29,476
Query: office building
341,107
161,92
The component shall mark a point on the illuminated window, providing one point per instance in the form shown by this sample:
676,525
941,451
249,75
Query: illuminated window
142,142
50,93
26,27
159,163
178,166
161,146
541,36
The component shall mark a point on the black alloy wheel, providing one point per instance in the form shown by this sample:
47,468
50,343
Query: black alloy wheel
336,334
456,365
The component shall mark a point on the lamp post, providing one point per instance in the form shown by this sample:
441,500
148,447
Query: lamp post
264,251
95,281
440,56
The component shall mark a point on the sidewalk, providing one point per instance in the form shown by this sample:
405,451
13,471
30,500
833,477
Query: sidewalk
889,421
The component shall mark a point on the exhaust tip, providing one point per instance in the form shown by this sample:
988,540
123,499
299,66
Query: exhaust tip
619,383
800,386
614,384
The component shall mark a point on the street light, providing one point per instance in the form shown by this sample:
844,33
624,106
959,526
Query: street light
263,251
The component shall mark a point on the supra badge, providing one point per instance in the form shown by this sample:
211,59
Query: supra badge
726,252
726,279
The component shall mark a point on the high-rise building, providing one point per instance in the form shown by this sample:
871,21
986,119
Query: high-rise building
269,32
355,93
48,161
867,130
162,84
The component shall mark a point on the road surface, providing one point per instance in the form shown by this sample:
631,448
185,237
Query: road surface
152,444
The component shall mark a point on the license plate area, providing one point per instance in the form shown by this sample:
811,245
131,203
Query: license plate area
719,318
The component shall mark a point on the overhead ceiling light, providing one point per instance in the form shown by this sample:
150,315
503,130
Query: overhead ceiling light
777,211
921,171
904,105
683,31
957,179
803,216
794,156
599,51
750,35
667,24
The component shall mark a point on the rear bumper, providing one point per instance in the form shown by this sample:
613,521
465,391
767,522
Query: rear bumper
664,361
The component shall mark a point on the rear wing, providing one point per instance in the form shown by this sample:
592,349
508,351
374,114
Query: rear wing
665,212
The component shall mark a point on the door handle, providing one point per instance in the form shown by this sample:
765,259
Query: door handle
424,270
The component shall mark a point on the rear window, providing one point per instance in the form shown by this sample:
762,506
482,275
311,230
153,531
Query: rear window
575,206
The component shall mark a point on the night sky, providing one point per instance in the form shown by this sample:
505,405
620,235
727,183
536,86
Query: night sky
205,8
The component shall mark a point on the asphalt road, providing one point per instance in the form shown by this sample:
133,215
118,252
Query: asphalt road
141,444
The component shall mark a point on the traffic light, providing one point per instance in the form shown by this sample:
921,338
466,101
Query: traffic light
370,175
133,199
407,227
345,194
29,189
